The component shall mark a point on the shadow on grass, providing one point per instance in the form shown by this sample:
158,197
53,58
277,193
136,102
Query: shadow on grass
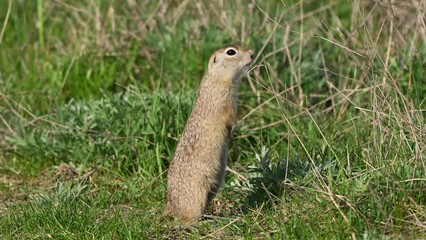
268,181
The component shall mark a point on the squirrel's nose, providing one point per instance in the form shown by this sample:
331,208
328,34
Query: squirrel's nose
251,55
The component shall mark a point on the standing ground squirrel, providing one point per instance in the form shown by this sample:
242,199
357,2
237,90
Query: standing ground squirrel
199,162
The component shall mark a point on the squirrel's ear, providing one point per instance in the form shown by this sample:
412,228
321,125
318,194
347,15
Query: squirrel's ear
212,61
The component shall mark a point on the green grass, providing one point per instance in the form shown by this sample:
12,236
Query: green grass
330,141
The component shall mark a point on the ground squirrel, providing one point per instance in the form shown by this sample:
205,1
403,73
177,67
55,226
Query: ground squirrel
199,162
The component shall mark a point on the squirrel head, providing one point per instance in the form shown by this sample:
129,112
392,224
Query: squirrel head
230,63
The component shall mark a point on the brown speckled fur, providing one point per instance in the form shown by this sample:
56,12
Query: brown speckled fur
199,162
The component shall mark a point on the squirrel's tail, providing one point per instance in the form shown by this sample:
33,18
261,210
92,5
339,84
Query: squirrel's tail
166,213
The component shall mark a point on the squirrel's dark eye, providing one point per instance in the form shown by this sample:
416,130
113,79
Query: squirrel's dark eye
231,52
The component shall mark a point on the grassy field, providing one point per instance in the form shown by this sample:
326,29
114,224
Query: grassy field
331,137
